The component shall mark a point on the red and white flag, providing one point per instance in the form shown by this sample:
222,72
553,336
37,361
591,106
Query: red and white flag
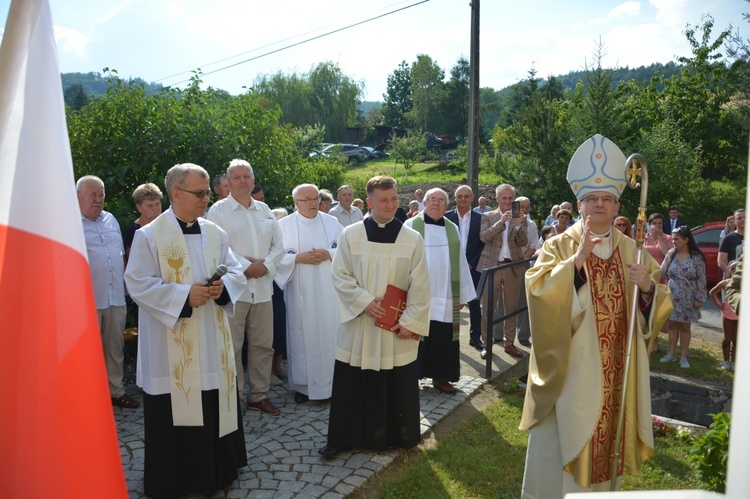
57,430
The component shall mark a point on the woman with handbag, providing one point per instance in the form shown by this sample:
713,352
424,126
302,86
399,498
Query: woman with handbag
685,268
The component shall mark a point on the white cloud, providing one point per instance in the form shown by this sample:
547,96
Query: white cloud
623,11
71,41
108,16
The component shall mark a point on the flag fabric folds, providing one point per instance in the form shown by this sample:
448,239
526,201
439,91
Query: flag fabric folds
57,429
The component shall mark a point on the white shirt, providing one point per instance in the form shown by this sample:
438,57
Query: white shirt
106,259
464,222
253,233
344,217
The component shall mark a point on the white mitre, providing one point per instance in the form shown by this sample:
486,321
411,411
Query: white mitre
597,165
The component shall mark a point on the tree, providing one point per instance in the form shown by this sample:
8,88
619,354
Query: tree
457,99
398,97
407,150
428,94
75,97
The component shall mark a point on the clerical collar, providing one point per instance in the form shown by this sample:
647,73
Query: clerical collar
432,221
606,234
382,233
189,227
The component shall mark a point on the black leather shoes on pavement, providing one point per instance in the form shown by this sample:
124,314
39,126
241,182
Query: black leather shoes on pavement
525,343
476,343
300,398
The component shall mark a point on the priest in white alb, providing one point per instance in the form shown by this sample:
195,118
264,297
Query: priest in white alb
375,402
194,440
451,286
313,324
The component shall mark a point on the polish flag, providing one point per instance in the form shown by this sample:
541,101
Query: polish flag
57,430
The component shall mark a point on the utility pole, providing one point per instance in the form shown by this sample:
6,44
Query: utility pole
472,173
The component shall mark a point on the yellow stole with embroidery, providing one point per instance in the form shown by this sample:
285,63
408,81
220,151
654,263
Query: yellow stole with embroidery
183,341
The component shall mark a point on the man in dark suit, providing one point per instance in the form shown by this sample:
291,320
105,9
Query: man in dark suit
674,221
469,223
505,238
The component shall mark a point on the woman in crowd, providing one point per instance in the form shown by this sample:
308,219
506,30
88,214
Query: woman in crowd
413,208
657,243
326,198
685,268
564,217
729,227
147,199
729,321
359,204
623,225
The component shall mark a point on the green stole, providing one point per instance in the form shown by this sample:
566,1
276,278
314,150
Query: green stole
454,248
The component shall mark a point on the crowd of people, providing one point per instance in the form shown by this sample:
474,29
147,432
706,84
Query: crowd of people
362,306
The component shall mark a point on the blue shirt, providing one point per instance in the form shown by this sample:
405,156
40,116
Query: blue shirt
106,259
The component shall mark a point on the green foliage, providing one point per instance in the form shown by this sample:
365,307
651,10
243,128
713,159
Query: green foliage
398,97
457,100
428,94
324,96
75,97
407,150
710,453
128,137
307,137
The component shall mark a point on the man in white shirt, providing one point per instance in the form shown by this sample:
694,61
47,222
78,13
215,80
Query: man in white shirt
106,258
523,329
255,237
344,211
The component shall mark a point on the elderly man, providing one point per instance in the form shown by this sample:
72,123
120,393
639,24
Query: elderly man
107,265
450,285
313,325
375,403
344,211
419,194
194,440
469,223
483,207
220,185
579,294
505,238
255,236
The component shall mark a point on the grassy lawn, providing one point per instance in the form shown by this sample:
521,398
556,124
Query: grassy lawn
484,457
705,355
430,171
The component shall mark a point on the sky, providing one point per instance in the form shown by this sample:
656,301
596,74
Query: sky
165,40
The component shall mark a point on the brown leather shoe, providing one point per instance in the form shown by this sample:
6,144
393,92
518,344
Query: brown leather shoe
513,351
444,386
125,402
265,406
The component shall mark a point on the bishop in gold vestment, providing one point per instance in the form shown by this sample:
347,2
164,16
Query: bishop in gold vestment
579,297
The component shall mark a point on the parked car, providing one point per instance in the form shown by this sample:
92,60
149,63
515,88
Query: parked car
707,237
353,153
373,153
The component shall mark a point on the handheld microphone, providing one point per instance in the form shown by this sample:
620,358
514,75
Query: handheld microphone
220,271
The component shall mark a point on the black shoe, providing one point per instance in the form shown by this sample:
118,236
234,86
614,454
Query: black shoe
300,398
476,343
328,452
525,343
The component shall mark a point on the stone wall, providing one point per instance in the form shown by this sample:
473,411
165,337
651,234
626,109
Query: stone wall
687,399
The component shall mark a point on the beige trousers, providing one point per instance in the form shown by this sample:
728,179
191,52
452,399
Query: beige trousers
111,327
254,321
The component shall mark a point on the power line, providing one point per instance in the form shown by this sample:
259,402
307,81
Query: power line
293,44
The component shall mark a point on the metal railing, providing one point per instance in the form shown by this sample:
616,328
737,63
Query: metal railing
488,279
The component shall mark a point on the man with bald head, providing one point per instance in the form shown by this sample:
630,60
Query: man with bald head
344,211
106,254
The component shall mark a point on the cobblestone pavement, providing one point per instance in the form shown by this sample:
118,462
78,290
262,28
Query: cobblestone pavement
282,450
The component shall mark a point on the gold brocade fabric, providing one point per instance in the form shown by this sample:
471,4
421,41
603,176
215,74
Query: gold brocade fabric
610,314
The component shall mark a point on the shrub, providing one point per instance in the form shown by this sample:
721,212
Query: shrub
710,452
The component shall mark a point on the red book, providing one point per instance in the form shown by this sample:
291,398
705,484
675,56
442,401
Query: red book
394,303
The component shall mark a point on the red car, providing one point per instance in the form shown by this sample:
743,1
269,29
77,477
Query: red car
707,237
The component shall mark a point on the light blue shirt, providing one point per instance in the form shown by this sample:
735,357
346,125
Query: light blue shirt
106,259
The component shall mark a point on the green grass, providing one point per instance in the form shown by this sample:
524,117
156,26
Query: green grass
484,456
431,171
705,355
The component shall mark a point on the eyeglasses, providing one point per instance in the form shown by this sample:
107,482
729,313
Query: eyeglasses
308,200
436,201
464,196
198,194
597,199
